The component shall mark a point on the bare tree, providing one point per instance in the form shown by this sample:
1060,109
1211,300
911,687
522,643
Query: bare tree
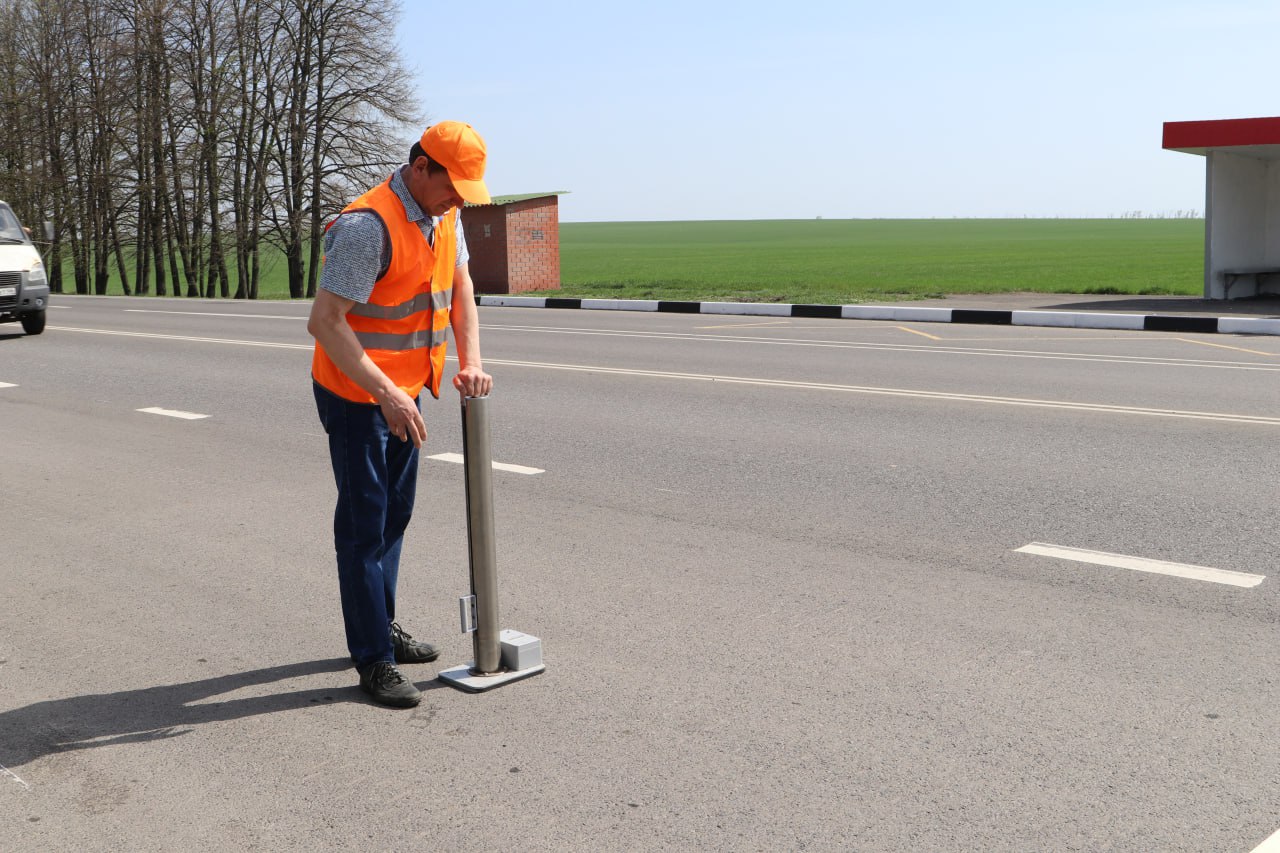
360,95
170,140
341,100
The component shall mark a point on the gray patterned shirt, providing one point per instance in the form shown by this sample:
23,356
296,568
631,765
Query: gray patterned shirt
357,246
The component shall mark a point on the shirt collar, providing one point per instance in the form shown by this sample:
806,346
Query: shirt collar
412,211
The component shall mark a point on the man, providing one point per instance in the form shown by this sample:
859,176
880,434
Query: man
395,280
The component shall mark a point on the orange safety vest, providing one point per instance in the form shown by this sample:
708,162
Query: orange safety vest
404,327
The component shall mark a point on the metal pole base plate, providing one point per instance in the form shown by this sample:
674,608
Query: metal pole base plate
463,678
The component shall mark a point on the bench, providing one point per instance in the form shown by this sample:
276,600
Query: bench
1231,276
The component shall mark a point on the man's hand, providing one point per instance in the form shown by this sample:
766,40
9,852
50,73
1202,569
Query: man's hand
473,382
403,418
328,324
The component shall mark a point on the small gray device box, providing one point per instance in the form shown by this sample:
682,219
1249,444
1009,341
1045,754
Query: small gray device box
519,651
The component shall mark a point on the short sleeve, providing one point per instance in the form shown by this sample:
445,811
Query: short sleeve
354,248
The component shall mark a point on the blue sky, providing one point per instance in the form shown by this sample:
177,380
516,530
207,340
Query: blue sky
707,110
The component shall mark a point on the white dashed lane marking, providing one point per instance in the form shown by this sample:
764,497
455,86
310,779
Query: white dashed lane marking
498,466
1142,564
1271,845
173,413
7,385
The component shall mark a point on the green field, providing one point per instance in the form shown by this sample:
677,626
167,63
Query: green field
838,261
842,261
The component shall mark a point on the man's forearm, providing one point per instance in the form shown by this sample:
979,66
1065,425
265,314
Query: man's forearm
466,331
342,346
465,320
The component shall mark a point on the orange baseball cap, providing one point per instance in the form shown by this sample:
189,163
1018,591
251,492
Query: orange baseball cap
458,148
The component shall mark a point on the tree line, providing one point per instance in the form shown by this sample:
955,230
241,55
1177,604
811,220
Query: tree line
171,141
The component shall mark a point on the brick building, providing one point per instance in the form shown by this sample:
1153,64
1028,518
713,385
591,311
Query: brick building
514,243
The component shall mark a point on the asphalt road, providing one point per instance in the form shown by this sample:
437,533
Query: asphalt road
772,563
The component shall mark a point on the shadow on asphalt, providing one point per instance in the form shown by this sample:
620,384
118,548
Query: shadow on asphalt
158,713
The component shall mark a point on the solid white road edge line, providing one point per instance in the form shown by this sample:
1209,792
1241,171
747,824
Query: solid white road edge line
1142,564
930,349
172,413
153,335
1271,845
924,349
772,383
902,392
498,466
215,314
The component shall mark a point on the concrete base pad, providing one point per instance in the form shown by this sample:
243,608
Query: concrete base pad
462,678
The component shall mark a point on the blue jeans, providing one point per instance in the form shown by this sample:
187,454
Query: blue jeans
377,477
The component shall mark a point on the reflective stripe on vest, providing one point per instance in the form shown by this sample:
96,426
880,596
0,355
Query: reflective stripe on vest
436,300
413,340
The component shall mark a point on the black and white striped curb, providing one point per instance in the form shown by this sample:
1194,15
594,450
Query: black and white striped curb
914,314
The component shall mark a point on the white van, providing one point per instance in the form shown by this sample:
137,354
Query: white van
24,290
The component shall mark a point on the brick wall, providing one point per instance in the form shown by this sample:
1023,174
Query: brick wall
533,244
521,251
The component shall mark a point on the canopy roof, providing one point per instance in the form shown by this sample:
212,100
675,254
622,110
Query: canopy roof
512,199
1252,137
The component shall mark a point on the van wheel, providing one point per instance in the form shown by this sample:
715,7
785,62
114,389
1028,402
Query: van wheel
33,324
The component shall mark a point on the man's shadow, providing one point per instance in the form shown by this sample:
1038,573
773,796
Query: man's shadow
157,713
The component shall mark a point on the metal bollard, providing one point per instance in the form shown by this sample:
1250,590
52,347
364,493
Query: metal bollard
480,539
500,656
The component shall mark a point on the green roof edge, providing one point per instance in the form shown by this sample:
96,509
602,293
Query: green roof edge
512,199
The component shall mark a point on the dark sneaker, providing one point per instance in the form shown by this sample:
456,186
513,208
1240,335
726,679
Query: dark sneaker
387,686
409,650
